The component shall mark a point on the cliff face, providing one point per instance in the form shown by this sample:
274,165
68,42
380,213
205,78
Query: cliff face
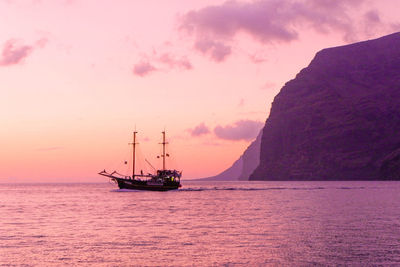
230,174
250,158
244,166
339,119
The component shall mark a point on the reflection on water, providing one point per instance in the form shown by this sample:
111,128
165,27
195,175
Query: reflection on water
204,223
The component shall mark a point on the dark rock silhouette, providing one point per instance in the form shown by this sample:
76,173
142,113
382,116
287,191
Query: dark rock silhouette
243,167
339,119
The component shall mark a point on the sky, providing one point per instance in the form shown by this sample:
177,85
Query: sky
79,76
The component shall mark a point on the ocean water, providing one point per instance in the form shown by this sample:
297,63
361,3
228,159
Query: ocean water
202,224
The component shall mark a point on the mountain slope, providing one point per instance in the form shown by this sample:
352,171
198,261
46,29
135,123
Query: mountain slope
339,119
243,167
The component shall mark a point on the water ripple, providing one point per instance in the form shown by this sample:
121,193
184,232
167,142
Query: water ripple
201,224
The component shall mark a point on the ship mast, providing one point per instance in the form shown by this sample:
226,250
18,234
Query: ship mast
133,154
163,143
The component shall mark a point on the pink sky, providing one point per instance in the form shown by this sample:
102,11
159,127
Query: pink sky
78,76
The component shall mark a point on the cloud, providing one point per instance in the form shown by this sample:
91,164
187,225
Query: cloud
41,43
143,68
14,53
172,62
268,85
240,130
263,19
216,50
372,16
258,58
274,21
164,63
199,130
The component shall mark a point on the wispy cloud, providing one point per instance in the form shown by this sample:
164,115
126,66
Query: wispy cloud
274,21
258,58
199,130
163,62
14,52
218,51
240,130
173,62
41,43
268,85
143,68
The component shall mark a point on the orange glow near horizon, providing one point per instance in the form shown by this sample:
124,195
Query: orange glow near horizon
79,76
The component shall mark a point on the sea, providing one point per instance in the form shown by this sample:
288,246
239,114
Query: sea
201,224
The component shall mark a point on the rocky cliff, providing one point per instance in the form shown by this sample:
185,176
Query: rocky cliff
244,166
339,119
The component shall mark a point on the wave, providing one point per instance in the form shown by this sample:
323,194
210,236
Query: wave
246,189
264,188
125,190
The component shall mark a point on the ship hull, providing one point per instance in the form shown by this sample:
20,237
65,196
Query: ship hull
145,185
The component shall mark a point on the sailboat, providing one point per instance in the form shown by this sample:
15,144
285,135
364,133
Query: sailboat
163,180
